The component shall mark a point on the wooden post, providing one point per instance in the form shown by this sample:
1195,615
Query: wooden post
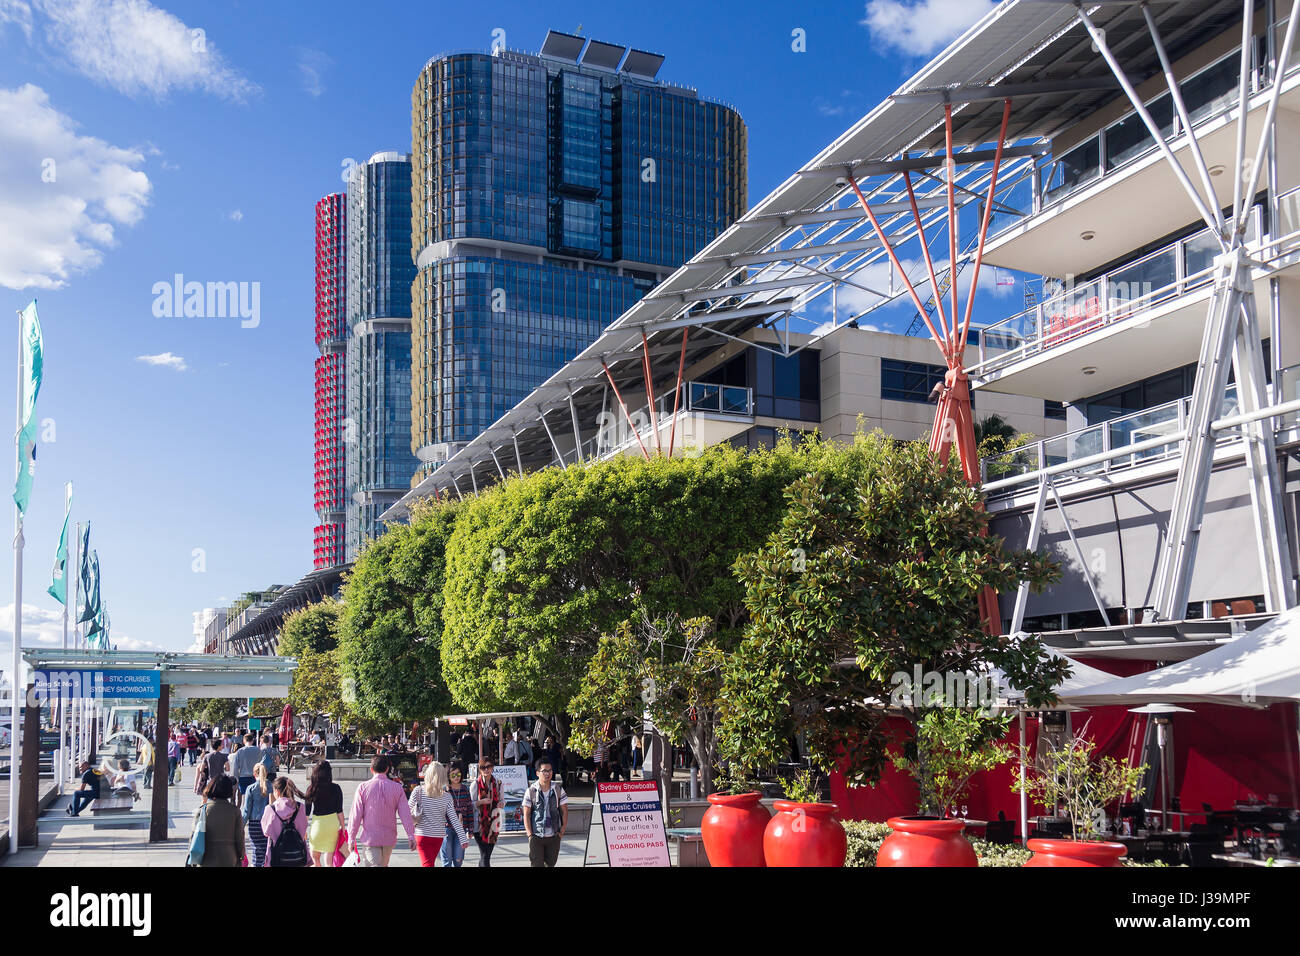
29,772
158,802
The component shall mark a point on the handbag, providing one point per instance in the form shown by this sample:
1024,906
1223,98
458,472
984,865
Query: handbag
339,858
176,777
198,838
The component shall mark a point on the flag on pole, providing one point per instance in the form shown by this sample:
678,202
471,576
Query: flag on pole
58,589
1004,277
33,368
89,599
97,634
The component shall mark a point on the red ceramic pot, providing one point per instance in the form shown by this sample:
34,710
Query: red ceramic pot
805,834
926,841
1074,853
733,829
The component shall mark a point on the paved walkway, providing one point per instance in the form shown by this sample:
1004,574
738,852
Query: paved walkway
79,841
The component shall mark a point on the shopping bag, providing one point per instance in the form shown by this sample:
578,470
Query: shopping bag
176,777
353,859
198,838
339,858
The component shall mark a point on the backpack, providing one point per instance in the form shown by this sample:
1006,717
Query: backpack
289,849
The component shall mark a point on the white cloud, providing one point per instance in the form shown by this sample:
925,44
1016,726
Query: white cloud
130,46
311,64
236,216
165,359
922,27
125,643
61,193
41,627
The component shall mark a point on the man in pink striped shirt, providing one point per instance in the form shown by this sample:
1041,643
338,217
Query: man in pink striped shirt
376,807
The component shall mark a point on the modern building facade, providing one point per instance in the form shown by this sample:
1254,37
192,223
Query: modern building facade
377,428
550,193
331,379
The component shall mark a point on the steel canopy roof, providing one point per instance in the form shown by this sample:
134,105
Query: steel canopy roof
808,235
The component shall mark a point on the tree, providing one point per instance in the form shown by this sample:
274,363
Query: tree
313,628
317,686
952,745
541,567
873,572
997,440
390,633
670,669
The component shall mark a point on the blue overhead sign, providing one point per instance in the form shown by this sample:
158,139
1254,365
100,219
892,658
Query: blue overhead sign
118,684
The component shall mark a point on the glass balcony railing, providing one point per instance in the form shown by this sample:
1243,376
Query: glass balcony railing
1208,93
1140,430
1123,292
616,433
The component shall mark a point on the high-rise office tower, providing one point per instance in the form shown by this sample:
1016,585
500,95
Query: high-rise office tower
550,192
331,336
377,431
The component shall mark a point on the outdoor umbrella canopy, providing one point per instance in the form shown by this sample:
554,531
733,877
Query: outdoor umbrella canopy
1259,668
286,725
1082,680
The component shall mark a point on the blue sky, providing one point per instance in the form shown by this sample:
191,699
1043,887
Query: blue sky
189,440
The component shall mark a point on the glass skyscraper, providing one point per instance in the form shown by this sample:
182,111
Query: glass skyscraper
550,192
377,430
331,338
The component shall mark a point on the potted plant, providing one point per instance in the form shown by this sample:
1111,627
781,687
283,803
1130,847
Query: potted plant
733,826
950,745
804,831
1081,784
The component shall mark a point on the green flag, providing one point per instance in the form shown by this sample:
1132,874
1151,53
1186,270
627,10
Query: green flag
33,366
58,589
89,604
97,634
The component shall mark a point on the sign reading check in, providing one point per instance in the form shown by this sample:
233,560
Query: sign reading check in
100,684
634,823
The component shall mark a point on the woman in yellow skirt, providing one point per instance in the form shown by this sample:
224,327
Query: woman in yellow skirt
325,809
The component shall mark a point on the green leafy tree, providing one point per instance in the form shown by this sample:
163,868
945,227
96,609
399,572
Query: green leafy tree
314,628
390,633
1005,449
1074,779
873,571
318,687
670,669
951,745
540,567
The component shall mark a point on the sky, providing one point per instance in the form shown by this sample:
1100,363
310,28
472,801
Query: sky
142,141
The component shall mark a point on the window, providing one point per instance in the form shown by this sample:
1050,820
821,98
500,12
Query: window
909,381
1054,410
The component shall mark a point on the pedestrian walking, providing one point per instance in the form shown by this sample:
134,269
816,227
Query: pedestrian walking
325,814
485,795
546,816
223,838
211,766
435,815
637,760
173,759
377,806
257,797
270,757
242,764
192,745
453,851
284,822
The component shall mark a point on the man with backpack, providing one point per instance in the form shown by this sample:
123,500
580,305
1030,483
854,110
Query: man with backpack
546,815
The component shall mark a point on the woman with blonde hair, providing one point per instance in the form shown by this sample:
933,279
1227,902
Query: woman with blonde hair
434,812
257,795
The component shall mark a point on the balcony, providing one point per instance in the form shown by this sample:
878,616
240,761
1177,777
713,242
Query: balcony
1115,188
1066,347
1016,471
707,414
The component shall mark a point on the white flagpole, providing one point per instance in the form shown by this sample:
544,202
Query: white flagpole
74,731
64,701
15,684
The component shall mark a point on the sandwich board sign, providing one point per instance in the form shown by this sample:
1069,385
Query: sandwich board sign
630,818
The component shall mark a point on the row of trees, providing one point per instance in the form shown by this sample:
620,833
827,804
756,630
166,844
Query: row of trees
742,598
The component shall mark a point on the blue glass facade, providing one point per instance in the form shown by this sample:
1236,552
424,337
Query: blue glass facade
377,430
601,183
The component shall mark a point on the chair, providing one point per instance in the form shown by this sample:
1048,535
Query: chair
1200,848
1000,831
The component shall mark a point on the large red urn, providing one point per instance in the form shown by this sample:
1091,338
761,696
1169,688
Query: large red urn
1074,853
926,841
805,834
732,829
